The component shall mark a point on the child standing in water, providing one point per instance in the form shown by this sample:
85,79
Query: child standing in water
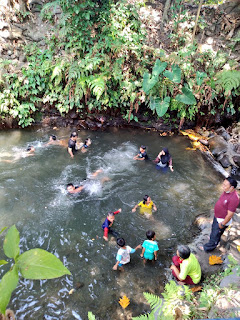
108,223
146,204
142,155
123,255
149,247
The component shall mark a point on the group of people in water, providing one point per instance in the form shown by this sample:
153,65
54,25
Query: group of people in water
185,268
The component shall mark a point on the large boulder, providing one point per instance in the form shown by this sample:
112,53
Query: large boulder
218,145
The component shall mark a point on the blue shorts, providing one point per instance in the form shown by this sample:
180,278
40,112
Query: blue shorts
120,264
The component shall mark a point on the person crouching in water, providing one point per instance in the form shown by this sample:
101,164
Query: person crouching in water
146,206
164,160
108,223
123,255
186,268
142,155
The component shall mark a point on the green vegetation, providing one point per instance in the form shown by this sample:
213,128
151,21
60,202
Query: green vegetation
32,264
97,60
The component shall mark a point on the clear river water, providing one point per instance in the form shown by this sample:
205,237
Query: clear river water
33,197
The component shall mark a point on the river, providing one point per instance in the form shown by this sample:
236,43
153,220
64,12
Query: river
33,197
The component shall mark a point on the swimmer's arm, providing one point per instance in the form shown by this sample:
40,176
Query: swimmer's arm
141,159
79,189
170,165
135,208
118,211
154,207
155,255
70,152
143,250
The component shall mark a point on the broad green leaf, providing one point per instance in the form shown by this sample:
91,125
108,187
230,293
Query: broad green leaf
161,106
175,75
158,68
150,81
2,262
40,264
200,76
7,285
4,228
11,243
187,97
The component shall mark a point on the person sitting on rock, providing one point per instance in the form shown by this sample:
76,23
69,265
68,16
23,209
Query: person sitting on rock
186,268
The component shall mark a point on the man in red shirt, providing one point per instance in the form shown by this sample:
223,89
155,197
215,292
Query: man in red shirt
223,212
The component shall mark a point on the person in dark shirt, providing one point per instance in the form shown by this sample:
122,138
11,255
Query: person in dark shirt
108,223
72,144
142,155
164,160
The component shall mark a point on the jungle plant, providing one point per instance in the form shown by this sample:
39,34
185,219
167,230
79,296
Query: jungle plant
31,264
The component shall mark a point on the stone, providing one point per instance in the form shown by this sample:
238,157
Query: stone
230,279
223,133
22,58
224,160
237,148
236,160
218,145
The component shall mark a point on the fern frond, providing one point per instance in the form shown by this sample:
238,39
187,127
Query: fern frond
144,317
51,5
153,300
74,71
228,80
97,85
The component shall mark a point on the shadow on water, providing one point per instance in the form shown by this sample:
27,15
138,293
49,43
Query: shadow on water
33,196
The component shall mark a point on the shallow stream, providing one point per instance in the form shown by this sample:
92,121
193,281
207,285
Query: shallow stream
33,197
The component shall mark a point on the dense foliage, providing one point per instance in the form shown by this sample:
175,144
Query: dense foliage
97,60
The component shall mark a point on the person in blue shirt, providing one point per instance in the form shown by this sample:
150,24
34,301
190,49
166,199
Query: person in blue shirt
149,247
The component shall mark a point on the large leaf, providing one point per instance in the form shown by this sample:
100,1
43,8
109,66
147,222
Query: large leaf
161,106
187,97
158,68
200,76
11,243
40,264
7,285
150,81
175,75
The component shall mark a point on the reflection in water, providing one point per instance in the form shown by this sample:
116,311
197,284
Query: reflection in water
33,196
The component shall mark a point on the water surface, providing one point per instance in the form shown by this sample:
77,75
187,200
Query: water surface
33,197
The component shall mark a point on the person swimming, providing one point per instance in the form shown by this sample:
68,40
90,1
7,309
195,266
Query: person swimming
164,160
146,206
18,155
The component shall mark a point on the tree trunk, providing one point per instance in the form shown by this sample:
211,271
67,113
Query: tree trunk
165,12
196,21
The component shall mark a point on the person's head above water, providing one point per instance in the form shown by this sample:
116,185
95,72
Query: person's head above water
74,135
30,149
111,216
53,137
183,251
142,148
120,242
70,187
165,150
146,199
150,235
87,142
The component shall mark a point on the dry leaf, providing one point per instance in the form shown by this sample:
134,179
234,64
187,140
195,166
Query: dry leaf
196,288
124,302
71,291
215,260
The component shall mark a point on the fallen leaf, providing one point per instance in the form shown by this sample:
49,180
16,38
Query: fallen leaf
196,288
124,302
71,291
215,260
